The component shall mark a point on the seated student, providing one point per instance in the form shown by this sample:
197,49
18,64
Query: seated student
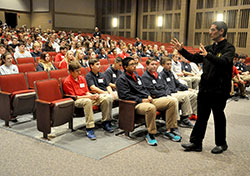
21,52
75,84
237,79
69,57
130,87
180,91
80,58
48,47
242,68
188,72
44,63
138,64
96,80
2,49
159,91
113,72
60,56
8,67
103,54
176,69
36,50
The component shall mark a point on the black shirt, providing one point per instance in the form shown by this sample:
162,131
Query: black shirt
156,86
217,67
112,75
186,67
98,80
241,66
173,84
130,88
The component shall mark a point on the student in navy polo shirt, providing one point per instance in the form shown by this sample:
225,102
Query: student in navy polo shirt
113,72
180,91
97,82
131,87
75,84
160,91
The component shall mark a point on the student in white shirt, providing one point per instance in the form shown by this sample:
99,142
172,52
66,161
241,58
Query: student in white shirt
8,67
21,53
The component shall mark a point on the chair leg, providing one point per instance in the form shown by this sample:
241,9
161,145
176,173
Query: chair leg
45,135
34,115
127,133
71,125
7,123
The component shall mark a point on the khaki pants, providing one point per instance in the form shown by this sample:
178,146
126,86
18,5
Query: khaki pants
241,87
192,81
104,100
245,78
167,104
184,101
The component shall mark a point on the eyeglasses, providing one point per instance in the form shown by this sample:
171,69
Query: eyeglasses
133,64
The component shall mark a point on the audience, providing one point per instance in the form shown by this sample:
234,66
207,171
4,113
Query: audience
8,67
44,63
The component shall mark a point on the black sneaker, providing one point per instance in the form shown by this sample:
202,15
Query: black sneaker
185,123
107,127
244,97
175,131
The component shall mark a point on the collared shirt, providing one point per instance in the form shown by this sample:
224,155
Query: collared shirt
130,88
176,67
59,57
241,66
12,69
173,84
155,85
186,67
97,79
112,75
73,87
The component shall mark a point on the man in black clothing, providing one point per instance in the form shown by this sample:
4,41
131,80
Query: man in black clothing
214,88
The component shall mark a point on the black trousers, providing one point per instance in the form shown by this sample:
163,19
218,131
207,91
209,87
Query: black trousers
206,103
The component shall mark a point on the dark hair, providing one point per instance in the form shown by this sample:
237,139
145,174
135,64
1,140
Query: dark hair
20,43
3,57
236,55
221,25
62,47
242,56
74,66
118,59
93,61
43,55
149,60
163,60
126,61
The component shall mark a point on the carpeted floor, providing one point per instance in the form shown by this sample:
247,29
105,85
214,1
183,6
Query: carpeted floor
23,155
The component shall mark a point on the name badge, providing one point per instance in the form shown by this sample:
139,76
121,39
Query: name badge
186,66
153,81
100,80
82,85
159,77
237,68
139,82
168,79
114,75
62,56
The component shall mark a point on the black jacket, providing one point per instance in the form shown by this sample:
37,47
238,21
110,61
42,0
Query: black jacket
112,75
129,89
156,87
173,84
217,67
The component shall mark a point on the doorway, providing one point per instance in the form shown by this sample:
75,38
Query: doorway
11,19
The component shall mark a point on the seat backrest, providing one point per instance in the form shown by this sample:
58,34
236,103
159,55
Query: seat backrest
35,76
25,60
58,73
104,68
13,82
104,61
27,67
83,71
111,60
56,64
140,71
48,90
143,59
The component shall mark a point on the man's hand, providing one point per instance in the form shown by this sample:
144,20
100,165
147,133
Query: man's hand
145,100
177,44
94,96
203,50
150,99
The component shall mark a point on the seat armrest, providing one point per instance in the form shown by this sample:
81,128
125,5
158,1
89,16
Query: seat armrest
74,97
127,115
43,116
5,105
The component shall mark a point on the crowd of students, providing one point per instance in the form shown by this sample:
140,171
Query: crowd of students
169,83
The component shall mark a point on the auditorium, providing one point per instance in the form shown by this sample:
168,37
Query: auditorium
124,87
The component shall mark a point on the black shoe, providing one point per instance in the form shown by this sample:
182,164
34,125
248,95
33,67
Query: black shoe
219,149
14,120
244,97
192,147
107,127
175,131
185,123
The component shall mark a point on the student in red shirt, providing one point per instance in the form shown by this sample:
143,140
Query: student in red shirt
60,56
75,84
